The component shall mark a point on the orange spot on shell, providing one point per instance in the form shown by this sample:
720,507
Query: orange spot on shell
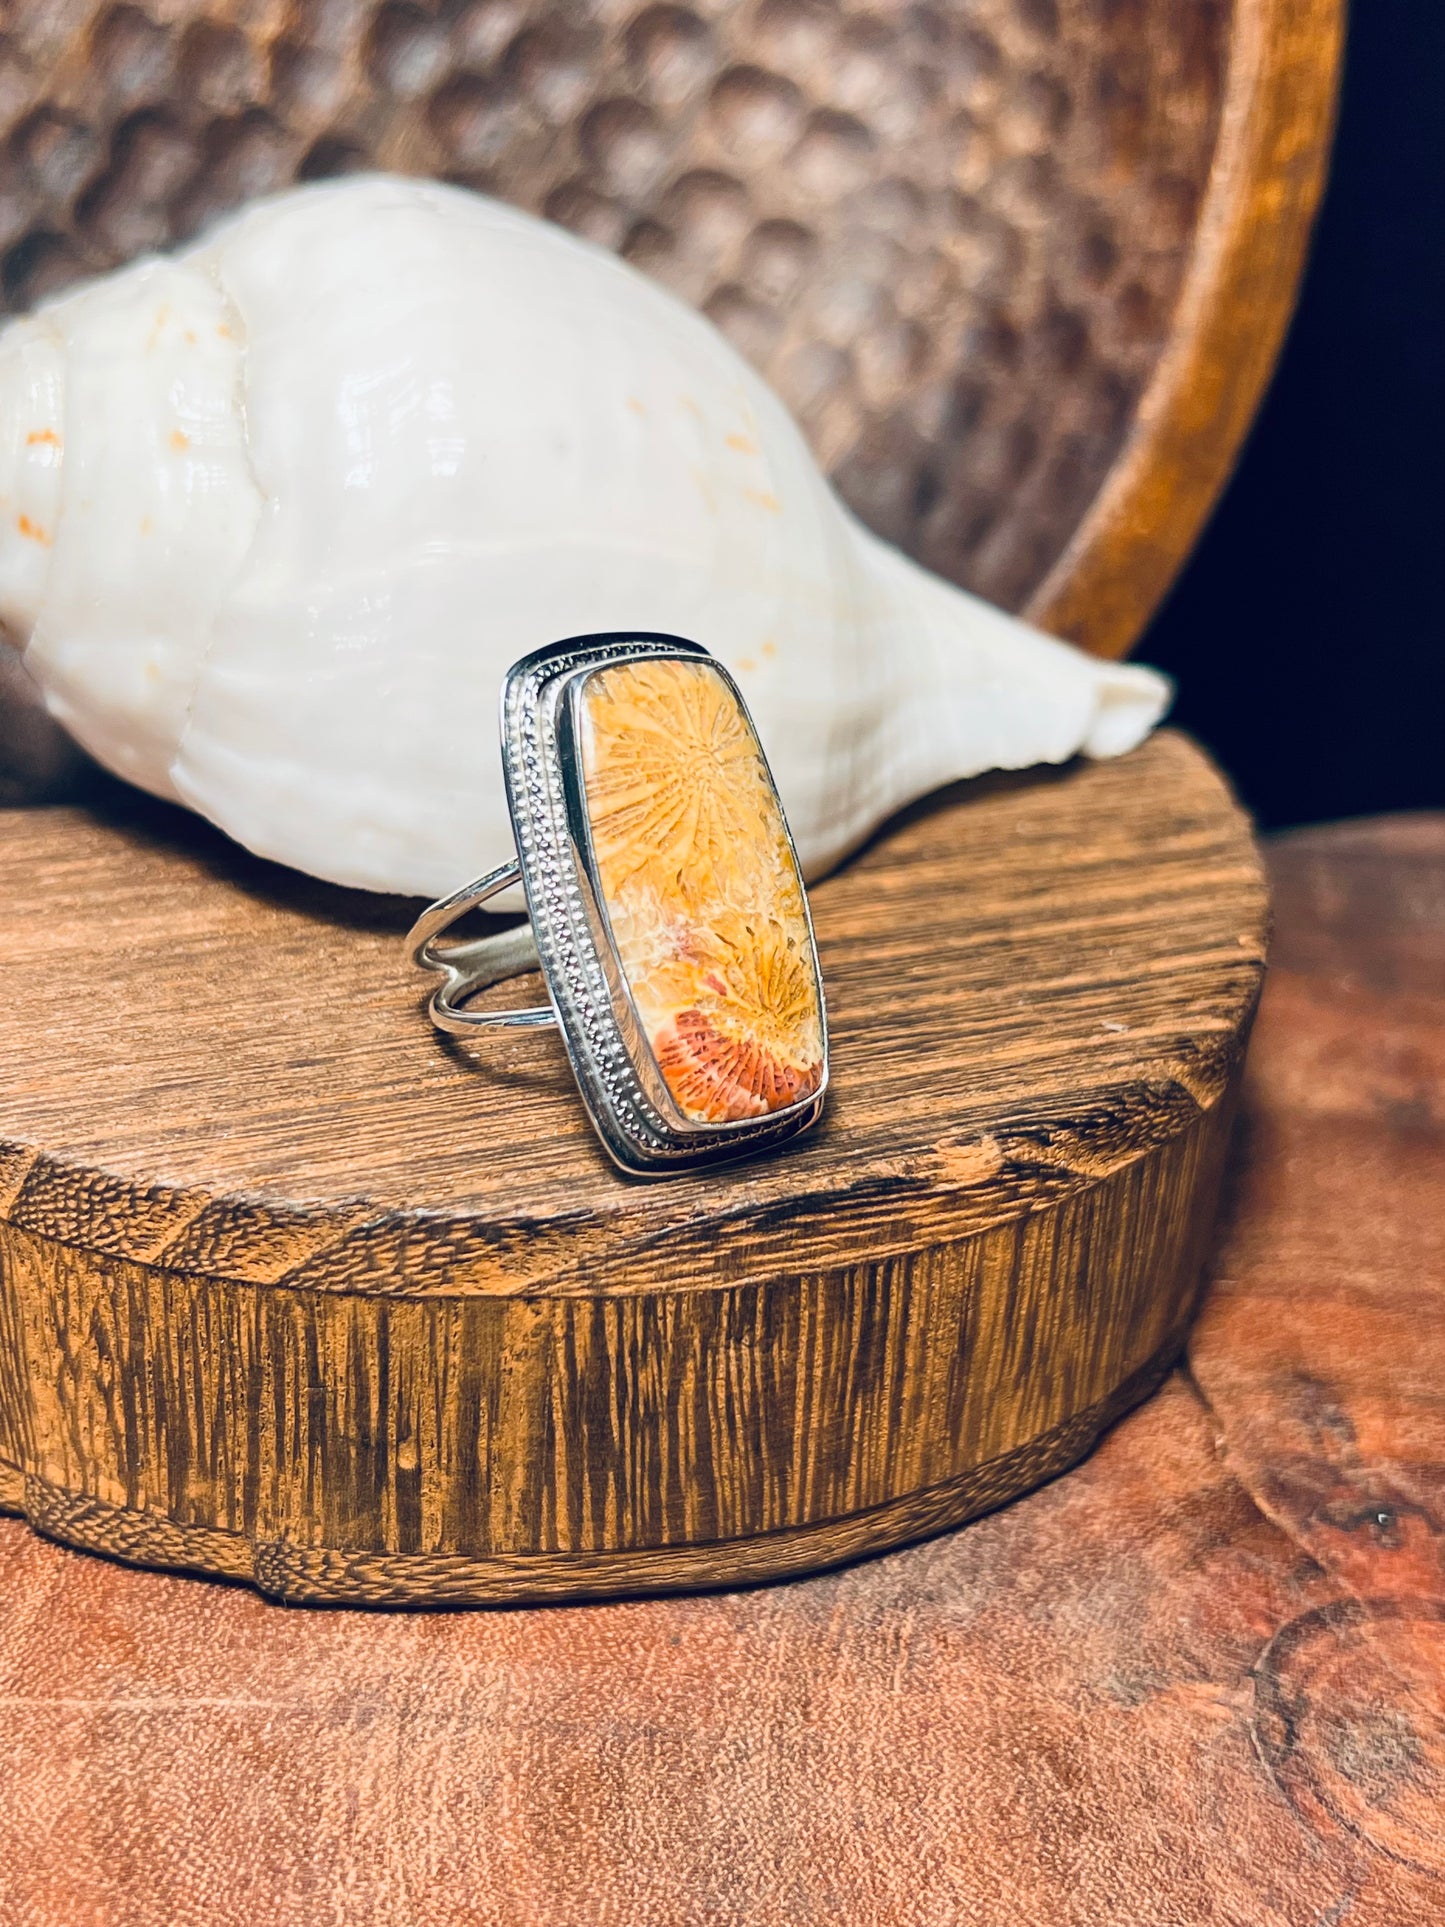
744,444
32,530
42,438
179,440
746,665
704,487
770,649
637,407
764,500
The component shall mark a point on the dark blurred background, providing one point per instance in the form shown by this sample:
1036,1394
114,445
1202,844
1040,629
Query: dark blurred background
1307,632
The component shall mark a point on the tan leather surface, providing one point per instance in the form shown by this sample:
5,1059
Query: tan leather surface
1201,1679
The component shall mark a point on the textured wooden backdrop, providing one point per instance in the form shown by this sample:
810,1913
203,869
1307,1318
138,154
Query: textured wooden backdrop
1200,1681
1019,267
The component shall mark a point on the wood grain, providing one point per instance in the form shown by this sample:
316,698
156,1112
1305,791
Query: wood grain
1196,1682
291,1288
1019,267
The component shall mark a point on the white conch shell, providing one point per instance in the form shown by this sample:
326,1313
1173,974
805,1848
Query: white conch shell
277,513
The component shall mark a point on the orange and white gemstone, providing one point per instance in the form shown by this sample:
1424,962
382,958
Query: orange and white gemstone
701,889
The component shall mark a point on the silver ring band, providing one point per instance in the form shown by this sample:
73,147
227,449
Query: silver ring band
477,962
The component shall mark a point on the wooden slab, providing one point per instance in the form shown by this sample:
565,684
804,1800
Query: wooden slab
296,1291
1198,1681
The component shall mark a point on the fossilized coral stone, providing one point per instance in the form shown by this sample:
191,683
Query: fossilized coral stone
701,889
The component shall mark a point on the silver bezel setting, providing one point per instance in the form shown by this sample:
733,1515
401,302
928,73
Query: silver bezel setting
623,1090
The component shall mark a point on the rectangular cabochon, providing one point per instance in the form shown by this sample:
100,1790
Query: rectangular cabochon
701,889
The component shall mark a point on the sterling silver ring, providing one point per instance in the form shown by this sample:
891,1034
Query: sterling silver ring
667,909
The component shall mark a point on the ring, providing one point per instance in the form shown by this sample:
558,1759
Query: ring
667,909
